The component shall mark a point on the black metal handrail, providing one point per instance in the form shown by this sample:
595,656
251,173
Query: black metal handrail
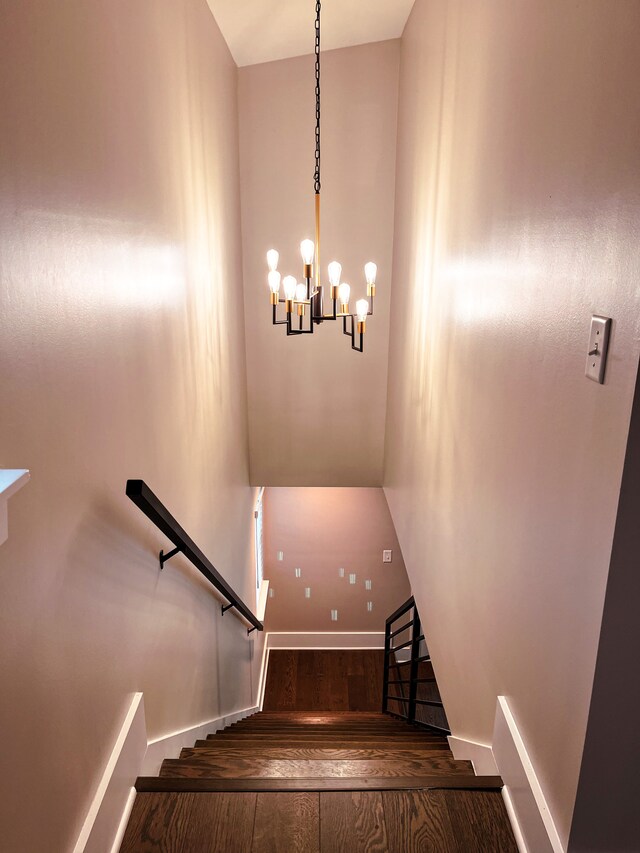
408,703
154,509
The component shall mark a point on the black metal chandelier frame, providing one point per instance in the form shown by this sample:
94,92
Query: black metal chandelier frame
310,305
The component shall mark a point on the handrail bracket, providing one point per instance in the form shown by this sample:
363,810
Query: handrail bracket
164,557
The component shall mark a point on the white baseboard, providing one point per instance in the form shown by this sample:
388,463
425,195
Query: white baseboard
513,820
114,790
132,756
263,672
523,795
263,597
169,746
479,754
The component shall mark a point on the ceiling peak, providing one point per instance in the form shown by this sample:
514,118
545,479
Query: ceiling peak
265,30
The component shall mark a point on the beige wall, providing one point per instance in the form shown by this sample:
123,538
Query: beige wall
320,530
516,218
121,355
317,409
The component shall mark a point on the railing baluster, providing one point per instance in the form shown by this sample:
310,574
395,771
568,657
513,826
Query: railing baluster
415,652
387,658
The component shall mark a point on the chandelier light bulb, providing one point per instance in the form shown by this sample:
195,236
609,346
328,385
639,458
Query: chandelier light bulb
301,295
362,309
370,272
307,250
272,259
274,281
290,285
335,271
344,291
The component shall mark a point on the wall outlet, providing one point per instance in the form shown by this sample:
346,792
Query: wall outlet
386,556
280,555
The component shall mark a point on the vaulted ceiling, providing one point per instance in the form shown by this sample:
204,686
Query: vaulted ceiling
264,30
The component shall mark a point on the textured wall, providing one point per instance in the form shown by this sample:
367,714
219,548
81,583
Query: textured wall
320,531
317,409
121,355
517,214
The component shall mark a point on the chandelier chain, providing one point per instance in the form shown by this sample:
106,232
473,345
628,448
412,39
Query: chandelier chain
316,177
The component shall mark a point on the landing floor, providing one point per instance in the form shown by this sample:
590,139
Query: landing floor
332,822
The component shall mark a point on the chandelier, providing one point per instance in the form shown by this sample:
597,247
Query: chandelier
306,299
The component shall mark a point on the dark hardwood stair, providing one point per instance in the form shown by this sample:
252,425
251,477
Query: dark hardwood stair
318,783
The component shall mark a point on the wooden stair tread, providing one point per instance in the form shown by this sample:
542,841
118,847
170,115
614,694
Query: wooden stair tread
360,783
325,735
298,730
260,715
409,821
321,727
320,752
350,727
243,768
312,719
302,743
433,737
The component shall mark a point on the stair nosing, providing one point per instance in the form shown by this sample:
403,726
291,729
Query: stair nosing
149,784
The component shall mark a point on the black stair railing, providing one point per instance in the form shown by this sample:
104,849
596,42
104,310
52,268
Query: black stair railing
408,672
154,509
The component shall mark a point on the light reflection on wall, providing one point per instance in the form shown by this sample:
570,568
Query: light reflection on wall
81,263
482,288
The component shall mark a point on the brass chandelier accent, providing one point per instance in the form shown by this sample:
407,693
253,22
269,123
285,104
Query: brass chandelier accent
306,298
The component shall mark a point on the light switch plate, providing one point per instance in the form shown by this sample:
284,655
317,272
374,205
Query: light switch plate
598,347
386,556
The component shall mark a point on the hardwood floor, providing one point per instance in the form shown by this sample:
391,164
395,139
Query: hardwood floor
191,823
352,821
287,822
311,680
331,822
